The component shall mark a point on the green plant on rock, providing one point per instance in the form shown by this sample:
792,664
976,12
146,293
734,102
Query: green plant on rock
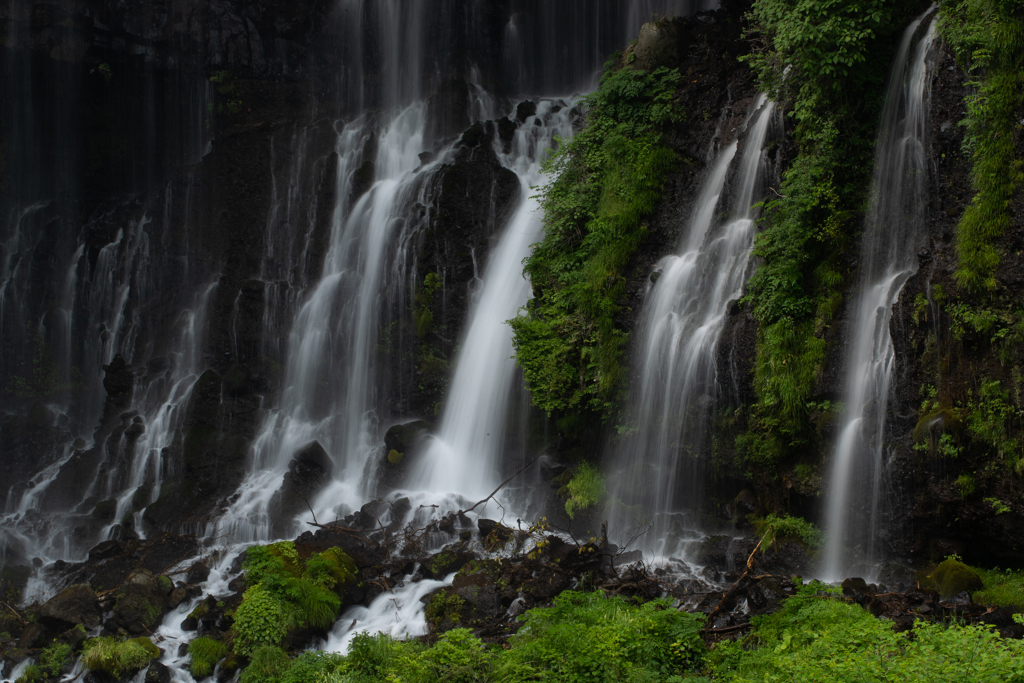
605,181
55,657
445,606
118,657
205,653
993,420
286,593
585,489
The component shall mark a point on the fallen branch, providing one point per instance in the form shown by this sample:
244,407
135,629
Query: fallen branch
15,613
385,534
500,487
355,533
732,591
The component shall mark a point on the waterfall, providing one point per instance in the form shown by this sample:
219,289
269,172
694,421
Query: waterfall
894,231
675,386
465,456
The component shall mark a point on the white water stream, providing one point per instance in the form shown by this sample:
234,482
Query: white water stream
653,469
893,233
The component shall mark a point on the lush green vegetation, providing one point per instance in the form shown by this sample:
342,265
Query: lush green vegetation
775,528
605,180
117,657
988,37
205,653
590,637
816,637
585,489
286,593
1004,588
582,637
54,658
839,53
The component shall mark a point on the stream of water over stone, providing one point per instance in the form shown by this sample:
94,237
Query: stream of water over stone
893,233
655,466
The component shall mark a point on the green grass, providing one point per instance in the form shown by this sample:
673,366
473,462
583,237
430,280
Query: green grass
205,653
586,489
1004,588
118,657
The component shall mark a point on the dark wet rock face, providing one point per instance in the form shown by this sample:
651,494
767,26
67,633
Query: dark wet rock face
74,605
141,602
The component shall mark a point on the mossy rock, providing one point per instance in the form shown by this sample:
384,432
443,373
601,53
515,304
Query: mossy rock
952,577
394,457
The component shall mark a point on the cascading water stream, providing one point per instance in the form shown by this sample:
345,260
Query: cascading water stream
894,231
329,378
466,455
676,386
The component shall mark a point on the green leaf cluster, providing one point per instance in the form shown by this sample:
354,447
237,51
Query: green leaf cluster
828,60
817,637
286,593
988,38
605,180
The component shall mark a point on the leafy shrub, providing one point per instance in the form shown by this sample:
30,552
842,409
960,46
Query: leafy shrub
119,658
606,179
205,653
263,619
585,489
817,638
268,664
773,528
588,636
55,657
286,593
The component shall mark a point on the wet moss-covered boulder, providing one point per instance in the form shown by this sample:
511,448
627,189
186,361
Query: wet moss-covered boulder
952,577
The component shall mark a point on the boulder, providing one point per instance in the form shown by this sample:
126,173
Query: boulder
656,46
310,468
141,602
157,673
74,605
197,573
952,577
